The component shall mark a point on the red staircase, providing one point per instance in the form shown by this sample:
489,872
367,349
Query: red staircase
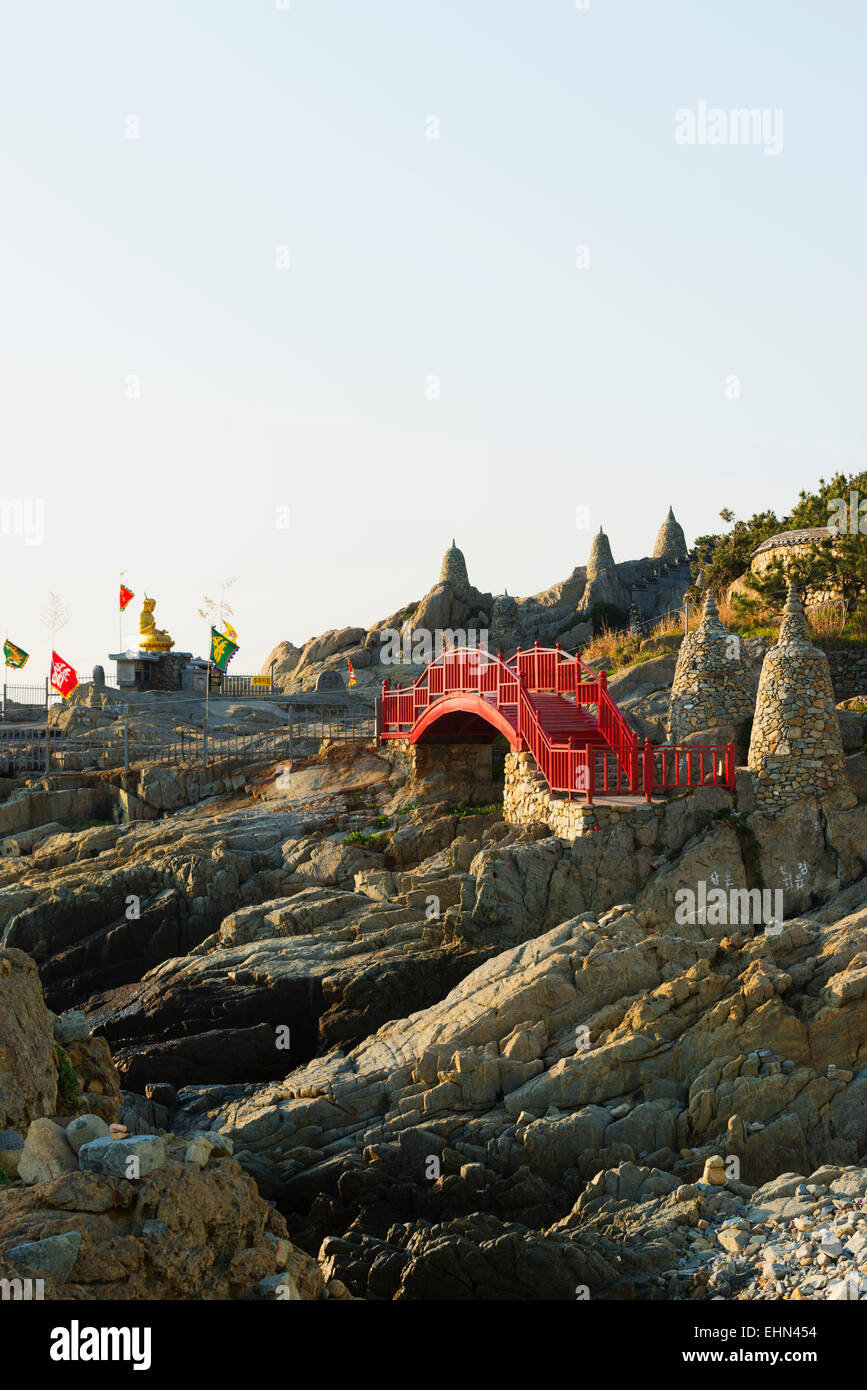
551,705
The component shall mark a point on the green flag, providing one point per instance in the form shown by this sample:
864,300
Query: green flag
15,656
222,649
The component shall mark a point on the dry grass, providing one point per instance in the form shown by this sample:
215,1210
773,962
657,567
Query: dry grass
618,649
611,647
827,623
672,624
727,612
829,626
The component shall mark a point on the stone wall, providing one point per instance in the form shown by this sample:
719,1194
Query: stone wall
527,800
785,553
167,671
848,667
656,587
454,772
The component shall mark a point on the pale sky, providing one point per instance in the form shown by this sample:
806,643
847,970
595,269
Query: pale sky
169,383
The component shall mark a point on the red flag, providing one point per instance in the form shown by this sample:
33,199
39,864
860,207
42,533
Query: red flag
125,596
352,680
63,678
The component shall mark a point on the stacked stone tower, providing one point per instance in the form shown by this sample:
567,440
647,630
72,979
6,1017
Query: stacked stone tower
670,540
796,749
505,634
600,558
713,680
454,572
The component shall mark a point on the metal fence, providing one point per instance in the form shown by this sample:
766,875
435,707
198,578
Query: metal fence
23,702
246,685
120,746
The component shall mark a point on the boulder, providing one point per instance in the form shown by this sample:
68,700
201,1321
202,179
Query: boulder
11,1146
856,773
185,1233
334,862
133,1157
47,1153
642,677
283,658
85,1128
53,1257
853,729
28,1064
24,841
71,1028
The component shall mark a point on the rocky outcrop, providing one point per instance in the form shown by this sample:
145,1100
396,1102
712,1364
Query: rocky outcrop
28,1064
464,1056
191,1227
604,585
600,1044
635,1233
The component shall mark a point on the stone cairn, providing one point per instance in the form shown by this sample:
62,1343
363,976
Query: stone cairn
670,540
454,572
505,634
796,749
601,558
713,681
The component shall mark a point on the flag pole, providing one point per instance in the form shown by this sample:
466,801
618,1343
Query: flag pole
207,697
120,645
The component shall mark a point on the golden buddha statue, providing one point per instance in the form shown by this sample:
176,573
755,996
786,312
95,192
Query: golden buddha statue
153,639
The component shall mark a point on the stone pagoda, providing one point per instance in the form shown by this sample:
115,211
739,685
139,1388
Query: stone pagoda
796,749
670,540
713,681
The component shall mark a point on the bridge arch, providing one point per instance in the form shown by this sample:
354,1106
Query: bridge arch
463,718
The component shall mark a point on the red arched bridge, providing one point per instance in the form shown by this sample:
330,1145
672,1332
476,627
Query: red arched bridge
551,705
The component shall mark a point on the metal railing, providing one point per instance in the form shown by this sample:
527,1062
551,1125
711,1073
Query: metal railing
23,701
120,746
247,685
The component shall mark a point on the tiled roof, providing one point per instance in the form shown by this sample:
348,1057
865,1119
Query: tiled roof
802,537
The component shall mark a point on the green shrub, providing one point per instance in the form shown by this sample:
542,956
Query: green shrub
68,1083
357,837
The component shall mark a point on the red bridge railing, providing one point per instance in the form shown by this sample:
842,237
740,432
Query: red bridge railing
567,762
